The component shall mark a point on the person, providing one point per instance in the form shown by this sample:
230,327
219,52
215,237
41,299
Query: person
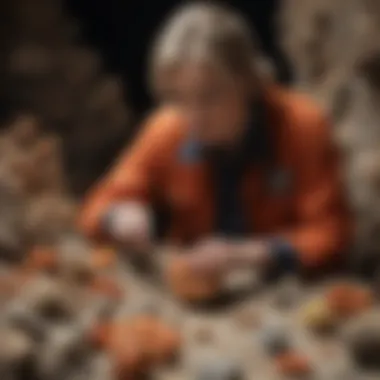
247,169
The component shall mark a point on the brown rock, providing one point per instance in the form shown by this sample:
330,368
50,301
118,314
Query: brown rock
42,258
188,285
138,345
204,335
50,299
64,350
318,316
108,287
160,342
293,364
348,300
104,257
18,352
248,319
362,337
24,131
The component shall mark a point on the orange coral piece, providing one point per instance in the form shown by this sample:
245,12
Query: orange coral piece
128,355
11,282
99,335
188,285
347,300
106,286
293,364
137,345
42,258
159,341
104,257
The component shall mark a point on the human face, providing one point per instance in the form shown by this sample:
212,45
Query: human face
214,102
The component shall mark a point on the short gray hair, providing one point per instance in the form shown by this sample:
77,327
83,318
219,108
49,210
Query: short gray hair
205,32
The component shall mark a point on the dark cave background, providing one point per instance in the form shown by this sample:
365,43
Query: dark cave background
123,30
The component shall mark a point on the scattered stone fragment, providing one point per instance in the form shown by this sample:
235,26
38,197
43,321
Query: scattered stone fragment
248,319
108,287
204,335
161,341
42,258
64,350
293,364
49,299
222,369
148,308
189,286
288,293
318,317
24,131
139,344
12,234
104,257
101,369
17,352
275,337
348,300
18,315
363,340
74,260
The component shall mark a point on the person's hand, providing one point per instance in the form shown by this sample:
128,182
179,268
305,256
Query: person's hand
210,257
130,224
220,256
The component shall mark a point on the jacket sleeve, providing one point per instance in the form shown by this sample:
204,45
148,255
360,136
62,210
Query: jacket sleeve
322,225
131,178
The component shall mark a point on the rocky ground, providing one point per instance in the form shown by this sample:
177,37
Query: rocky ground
70,313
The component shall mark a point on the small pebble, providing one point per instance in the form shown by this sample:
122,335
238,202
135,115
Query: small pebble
288,294
50,299
20,317
318,317
204,335
293,364
349,300
248,319
222,369
275,338
17,350
362,337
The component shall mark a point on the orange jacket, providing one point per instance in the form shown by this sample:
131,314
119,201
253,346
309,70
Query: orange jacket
311,214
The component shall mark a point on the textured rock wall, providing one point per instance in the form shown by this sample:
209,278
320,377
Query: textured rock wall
334,48
47,72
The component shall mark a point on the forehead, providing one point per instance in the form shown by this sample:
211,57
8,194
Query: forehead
196,75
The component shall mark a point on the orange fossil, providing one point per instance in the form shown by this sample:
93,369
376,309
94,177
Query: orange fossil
347,300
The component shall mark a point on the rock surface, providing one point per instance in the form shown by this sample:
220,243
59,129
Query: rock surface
335,55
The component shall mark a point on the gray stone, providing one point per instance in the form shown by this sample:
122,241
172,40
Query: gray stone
20,317
275,337
65,351
222,369
17,353
363,341
288,293
51,300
